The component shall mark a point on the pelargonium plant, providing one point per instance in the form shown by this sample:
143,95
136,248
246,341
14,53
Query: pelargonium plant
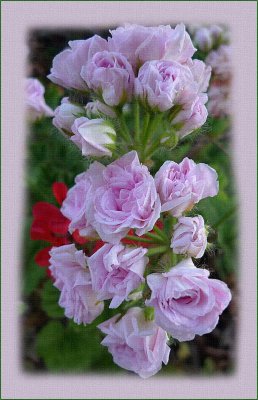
124,235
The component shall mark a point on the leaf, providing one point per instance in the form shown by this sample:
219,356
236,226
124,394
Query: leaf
68,348
49,301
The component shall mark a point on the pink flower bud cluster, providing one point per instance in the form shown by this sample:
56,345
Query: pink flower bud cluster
219,91
151,64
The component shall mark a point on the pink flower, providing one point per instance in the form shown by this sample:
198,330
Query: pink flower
34,100
165,83
186,301
127,199
206,37
67,65
180,186
201,74
189,237
66,114
220,61
79,199
72,277
140,44
111,76
116,270
219,104
191,117
135,344
92,136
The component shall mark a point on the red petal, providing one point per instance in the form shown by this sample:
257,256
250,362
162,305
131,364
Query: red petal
42,257
44,210
60,191
78,238
97,246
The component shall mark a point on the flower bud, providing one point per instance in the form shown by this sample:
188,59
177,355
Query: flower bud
189,237
97,109
66,114
95,137
35,101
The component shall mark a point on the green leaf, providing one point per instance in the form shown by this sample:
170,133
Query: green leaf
49,301
68,348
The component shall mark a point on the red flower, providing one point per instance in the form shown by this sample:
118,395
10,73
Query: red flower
50,225
42,257
59,190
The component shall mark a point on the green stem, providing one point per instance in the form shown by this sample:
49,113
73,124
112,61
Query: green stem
146,121
136,122
124,129
157,250
160,232
155,237
151,128
139,239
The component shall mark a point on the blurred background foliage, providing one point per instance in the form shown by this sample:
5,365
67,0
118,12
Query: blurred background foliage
54,343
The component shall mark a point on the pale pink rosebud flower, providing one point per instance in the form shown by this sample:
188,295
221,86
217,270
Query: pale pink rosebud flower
191,117
220,61
116,270
67,65
72,277
219,104
79,200
94,137
136,344
140,44
34,99
189,237
66,114
111,76
186,301
126,200
163,84
182,185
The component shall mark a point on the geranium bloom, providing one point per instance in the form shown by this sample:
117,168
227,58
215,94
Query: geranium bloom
66,114
110,75
140,43
116,270
68,64
72,277
135,344
93,136
79,200
186,301
126,198
34,100
182,185
189,237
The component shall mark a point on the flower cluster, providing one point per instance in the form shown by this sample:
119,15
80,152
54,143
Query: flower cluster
123,233
212,41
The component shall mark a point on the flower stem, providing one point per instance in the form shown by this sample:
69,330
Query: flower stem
124,129
155,237
139,239
160,232
136,122
156,250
